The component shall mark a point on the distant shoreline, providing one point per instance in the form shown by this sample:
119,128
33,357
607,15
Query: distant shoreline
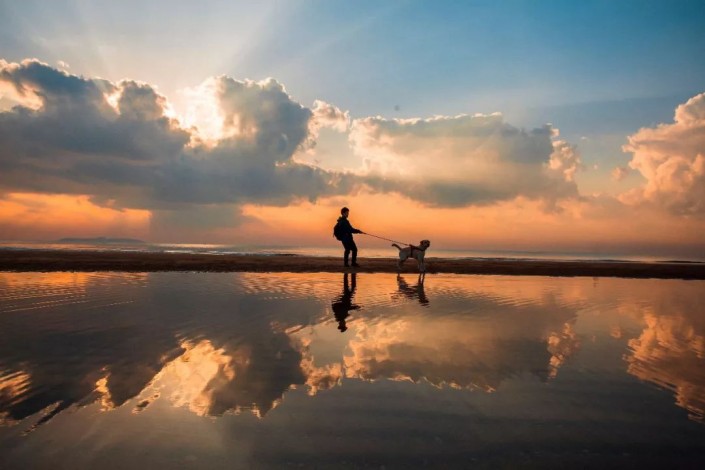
62,260
101,241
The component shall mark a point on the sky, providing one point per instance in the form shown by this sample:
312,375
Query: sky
515,125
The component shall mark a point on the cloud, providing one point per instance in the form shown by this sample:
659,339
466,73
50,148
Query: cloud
76,141
464,160
564,160
327,115
114,141
121,144
672,159
619,173
189,220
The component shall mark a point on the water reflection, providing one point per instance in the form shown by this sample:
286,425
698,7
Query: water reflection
343,305
412,292
227,343
54,349
476,352
211,381
670,352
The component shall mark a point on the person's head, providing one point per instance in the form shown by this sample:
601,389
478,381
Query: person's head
344,211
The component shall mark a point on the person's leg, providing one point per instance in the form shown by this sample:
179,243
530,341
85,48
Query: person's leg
346,254
353,248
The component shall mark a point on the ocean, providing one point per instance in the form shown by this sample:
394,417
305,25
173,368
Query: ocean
335,250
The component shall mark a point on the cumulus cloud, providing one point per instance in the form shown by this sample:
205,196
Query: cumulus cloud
564,160
76,141
672,159
114,141
327,115
464,160
619,173
121,142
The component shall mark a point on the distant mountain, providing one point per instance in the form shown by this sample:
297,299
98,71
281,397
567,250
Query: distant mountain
103,240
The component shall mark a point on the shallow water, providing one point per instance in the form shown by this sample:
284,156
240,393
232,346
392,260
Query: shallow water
240,370
368,249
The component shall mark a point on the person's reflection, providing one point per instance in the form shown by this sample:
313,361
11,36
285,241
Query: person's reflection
415,291
343,305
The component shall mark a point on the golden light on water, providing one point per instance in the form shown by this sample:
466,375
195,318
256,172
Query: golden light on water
13,385
35,284
101,387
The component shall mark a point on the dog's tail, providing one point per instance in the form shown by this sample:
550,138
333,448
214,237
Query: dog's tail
398,247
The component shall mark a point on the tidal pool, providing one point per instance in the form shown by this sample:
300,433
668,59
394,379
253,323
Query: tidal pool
240,370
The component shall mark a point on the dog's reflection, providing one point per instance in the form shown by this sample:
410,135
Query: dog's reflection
344,304
415,291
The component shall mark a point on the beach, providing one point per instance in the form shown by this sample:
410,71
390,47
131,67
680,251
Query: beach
91,261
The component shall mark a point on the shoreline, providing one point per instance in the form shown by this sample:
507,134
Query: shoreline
62,260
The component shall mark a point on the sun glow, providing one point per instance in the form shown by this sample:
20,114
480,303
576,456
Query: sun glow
22,214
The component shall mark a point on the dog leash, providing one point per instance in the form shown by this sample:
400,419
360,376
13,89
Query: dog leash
382,238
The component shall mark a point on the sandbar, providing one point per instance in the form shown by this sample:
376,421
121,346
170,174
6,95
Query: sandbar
68,260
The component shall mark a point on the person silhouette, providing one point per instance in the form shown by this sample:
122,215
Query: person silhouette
343,304
343,231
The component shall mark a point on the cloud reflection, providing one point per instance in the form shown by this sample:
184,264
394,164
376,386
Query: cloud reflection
670,352
450,352
227,343
505,337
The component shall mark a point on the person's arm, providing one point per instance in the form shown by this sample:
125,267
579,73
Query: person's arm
351,228
355,230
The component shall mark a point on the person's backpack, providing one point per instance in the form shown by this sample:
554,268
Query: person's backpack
338,231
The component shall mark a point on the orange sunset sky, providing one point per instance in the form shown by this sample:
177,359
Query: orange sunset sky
254,134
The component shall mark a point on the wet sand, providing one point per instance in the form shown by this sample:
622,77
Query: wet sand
62,260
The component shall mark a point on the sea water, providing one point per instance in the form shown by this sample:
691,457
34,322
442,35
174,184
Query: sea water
242,370
369,248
